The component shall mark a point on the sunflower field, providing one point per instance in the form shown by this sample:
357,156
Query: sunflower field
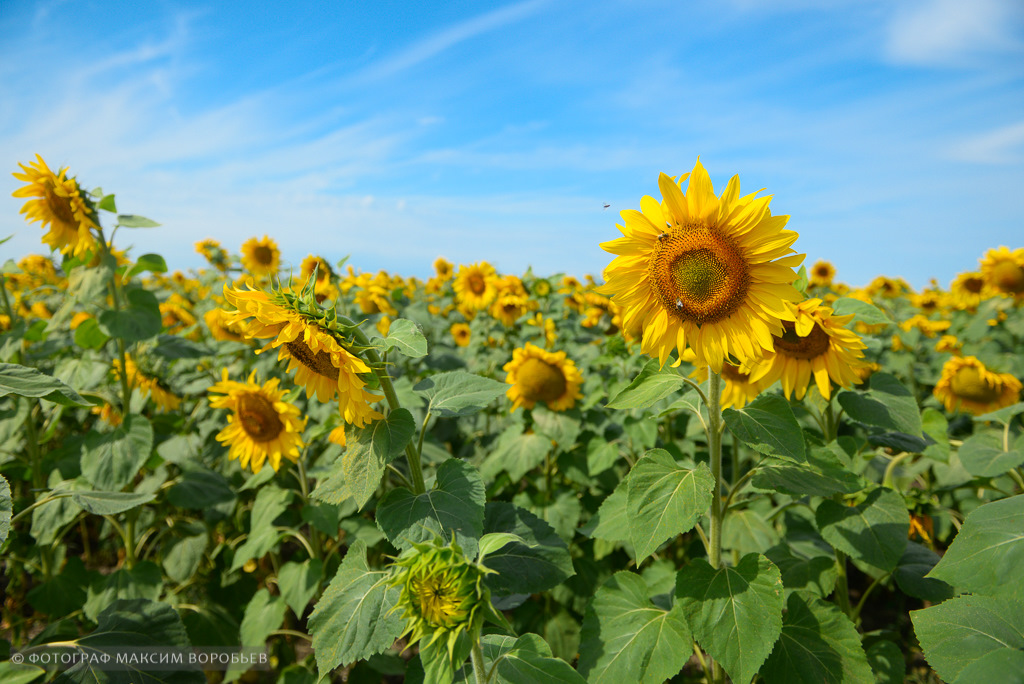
713,464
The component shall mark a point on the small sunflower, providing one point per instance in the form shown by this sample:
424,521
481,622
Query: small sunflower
147,385
821,274
1003,270
323,269
443,268
966,384
883,286
57,203
538,375
948,343
461,334
177,313
968,290
928,327
261,426
262,258
510,308
476,286
306,339
815,343
214,253
712,273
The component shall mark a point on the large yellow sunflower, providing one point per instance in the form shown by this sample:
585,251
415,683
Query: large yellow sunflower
321,364
968,386
1003,270
261,426
538,375
709,272
815,343
476,286
262,258
59,204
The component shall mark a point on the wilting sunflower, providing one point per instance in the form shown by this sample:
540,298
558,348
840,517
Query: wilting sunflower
538,375
709,272
306,337
461,334
262,258
968,386
821,274
147,385
1003,270
58,204
261,426
476,286
815,343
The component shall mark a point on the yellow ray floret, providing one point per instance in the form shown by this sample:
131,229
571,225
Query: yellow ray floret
711,273
57,203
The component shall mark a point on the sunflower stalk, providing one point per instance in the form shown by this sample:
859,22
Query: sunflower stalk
715,425
476,656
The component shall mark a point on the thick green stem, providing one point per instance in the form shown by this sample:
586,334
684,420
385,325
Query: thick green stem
842,592
715,449
477,657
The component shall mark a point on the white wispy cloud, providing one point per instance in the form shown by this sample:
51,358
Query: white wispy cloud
953,32
1003,145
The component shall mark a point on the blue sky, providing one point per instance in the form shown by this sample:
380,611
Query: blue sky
892,132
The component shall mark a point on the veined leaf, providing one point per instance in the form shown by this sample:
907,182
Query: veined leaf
664,499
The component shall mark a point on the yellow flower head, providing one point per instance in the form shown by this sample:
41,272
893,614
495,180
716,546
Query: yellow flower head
261,426
929,327
147,385
177,313
538,375
968,290
888,287
57,203
476,286
217,321
214,253
966,384
948,343
443,268
323,269
821,274
262,258
461,334
708,272
1003,270
510,308
815,344
308,341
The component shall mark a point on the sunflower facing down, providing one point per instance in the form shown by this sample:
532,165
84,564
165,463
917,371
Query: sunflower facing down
261,425
320,363
1003,270
702,271
262,258
538,375
57,203
815,344
967,385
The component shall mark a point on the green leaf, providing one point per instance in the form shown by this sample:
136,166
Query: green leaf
649,387
874,531
355,617
175,347
664,499
263,614
1002,415
299,583
1005,666
735,613
886,660
135,221
139,624
354,475
263,535
89,336
963,630
109,503
935,425
562,427
389,436
612,521
50,517
107,203
767,425
14,673
200,488
601,455
987,555
407,338
982,455
140,321
911,574
526,666
29,382
182,555
888,404
458,393
6,509
862,311
454,505
140,582
494,541
626,638
538,562
818,644
814,574
515,453
112,459
821,475
154,263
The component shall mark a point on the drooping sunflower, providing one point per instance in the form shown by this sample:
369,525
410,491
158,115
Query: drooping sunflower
58,204
261,426
214,253
821,274
815,344
1003,270
967,385
147,385
461,334
262,258
476,286
307,339
539,375
709,272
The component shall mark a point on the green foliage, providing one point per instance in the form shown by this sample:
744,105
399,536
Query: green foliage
767,425
874,531
653,384
664,499
29,382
